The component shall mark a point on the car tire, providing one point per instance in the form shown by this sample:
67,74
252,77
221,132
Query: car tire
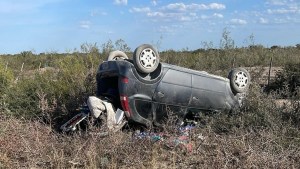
117,55
146,58
239,80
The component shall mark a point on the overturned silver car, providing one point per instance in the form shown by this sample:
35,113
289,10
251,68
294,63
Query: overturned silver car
147,90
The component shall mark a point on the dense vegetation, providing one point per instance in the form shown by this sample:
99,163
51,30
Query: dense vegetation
38,90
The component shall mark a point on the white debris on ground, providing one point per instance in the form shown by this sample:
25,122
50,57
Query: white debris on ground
114,117
96,106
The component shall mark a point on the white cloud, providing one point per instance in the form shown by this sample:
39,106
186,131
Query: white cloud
218,15
256,13
283,11
165,29
291,4
85,24
154,14
193,6
277,2
176,6
134,9
217,6
120,2
215,15
181,12
168,29
285,20
184,17
193,14
238,21
283,7
263,21
280,21
295,6
154,2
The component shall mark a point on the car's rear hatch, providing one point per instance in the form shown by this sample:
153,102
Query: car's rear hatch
112,80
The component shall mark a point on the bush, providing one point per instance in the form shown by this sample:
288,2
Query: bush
6,80
288,79
6,77
262,135
53,91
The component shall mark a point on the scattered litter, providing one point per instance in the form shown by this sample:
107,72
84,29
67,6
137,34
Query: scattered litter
96,107
70,125
181,140
201,137
119,116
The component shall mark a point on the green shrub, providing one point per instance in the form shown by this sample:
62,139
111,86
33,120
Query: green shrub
6,77
287,82
6,80
24,100
55,91
261,111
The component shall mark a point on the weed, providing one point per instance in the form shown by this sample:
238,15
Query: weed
263,134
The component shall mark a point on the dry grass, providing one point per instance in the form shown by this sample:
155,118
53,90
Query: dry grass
262,135
31,144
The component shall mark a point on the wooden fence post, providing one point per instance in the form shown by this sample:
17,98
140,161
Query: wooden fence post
17,78
22,67
270,67
233,62
6,66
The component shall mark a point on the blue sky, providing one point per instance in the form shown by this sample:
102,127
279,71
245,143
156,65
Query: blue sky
62,25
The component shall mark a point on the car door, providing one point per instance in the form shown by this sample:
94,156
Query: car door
208,93
174,91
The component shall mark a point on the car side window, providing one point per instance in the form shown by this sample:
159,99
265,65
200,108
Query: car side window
178,78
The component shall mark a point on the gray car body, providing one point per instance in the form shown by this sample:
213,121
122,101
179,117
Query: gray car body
168,89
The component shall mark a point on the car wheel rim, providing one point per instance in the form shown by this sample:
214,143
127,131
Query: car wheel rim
241,80
148,58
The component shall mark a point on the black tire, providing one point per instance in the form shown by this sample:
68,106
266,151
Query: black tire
117,55
239,80
146,58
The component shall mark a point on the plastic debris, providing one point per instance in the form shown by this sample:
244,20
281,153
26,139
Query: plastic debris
181,140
